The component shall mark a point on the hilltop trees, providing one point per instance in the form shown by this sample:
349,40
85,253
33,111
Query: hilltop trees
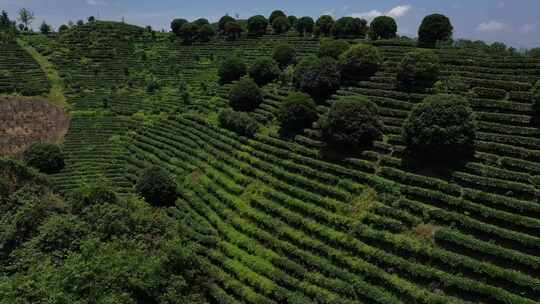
233,30
177,24
352,122
284,54
319,78
298,111
441,128
231,69
305,25
276,14
45,29
281,25
359,62
189,32
434,28
419,68
324,25
264,70
223,22
382,27
157,187
333,48
349,27
257,25
47,158
245,95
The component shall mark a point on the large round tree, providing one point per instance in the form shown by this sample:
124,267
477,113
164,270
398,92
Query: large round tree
223,22
281,25
177,24
333,47
257,25
284,54
231,69
434,28
419,68
318,77
360,62
324,25
245,95
382,27
157,187
47,158
349,27
297,112
264,70
352,122
441,128
305,25
276,14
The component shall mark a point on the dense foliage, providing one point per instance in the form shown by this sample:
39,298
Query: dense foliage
281,25
177,24
245,95
276,14
349,27
441,128
233,30
318,77
297,112
284,54
536,98
239,122
382,27
333,48
324,25
264,70
231,69
223,22
360,62
352,122
157,187
47,158
257,25
434,28
419,68
305,25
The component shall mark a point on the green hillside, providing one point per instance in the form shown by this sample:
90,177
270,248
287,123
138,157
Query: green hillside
278,219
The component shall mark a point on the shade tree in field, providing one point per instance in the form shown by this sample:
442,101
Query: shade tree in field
382,27
241,123
26,17
441,128
276,14
318,77
47,158
177,24
231,69
419,68
324,25
284,54
352,122
297,112
292,20
333,48
281,25
233,30
45,29
157,187
434,28
359,62
245,95
257,25
264,71
305,25
223,22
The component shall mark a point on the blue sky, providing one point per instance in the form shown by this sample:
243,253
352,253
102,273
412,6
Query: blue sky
516,22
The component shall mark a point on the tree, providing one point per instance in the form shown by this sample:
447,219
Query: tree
189,32
319,78
201,22
233,30
47,158
441,128
324,25
349,27
223,22
305,25
382,27
434,28
360,62
292,20
264,70
239,122
333,48
206,32
534,53
536,99
231,69
297,112
284,54
281,25
352,122
80,22
419,68
26,17
276,14
257,25
176,26
6,25
63,28
91,19
157,187
45,29
245,95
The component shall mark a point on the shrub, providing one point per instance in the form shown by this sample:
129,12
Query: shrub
305,25
349,27
281,25
434,28
233,30
419,68
451,85
239,122
536,98
264,70
352,122
382,27
360,62
223,22
276,14
47,158
333,48
257,25
231,69
319,78
324,25
157,187
284,54
176,26
442,127
297,112
245,95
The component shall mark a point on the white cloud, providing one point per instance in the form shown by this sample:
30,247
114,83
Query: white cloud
527,28
97,2
396,12
492,26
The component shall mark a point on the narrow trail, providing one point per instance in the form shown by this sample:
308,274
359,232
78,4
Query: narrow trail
56,94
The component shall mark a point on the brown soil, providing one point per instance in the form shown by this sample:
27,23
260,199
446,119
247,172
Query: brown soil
24,121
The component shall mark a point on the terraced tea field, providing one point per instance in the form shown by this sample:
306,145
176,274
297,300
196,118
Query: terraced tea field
277,220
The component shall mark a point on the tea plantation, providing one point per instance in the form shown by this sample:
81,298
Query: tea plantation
275,218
